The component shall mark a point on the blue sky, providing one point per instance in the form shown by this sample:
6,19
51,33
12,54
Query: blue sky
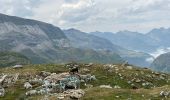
94,15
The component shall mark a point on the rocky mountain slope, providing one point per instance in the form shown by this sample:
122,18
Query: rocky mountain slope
161,35
162,63
44,43
82,40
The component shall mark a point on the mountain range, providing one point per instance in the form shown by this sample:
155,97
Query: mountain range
79,39
45,43
148,42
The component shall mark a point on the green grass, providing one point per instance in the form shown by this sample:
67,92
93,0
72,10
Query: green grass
120,94
104,77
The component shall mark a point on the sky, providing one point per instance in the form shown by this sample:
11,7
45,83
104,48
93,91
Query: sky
94,15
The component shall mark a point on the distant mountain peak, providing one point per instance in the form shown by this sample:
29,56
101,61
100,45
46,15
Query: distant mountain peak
161,29
73,29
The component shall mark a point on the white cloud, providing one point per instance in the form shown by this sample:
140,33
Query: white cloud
160,51
157,53
150,60
63,12
91,15
16,7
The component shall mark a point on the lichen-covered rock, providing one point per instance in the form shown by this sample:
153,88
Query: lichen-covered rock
27,85
77,94
17,66
165,93
106,86
56,77
129,67
31,92
45,74
2,92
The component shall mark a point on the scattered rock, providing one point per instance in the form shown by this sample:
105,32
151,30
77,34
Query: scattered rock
142,72
85,70
31,92
87,77
129,82
117,87
129,67
36,81
17,66
2,91
156,73
45,74
2,79
117,96
138,81
161,77
27,85
89,65
106,86
60,96
76,94
89,85
165,93
56,77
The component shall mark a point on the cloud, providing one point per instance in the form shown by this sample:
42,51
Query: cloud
160,51
64,12
150,60
92,15
157,53
139,6
16,7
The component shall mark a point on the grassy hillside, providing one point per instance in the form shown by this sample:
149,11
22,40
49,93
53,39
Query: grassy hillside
12,58
134,83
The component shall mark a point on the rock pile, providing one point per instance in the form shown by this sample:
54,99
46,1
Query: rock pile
66,84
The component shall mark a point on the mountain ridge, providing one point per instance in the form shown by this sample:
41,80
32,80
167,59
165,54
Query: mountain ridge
44,43
80,39
148,42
